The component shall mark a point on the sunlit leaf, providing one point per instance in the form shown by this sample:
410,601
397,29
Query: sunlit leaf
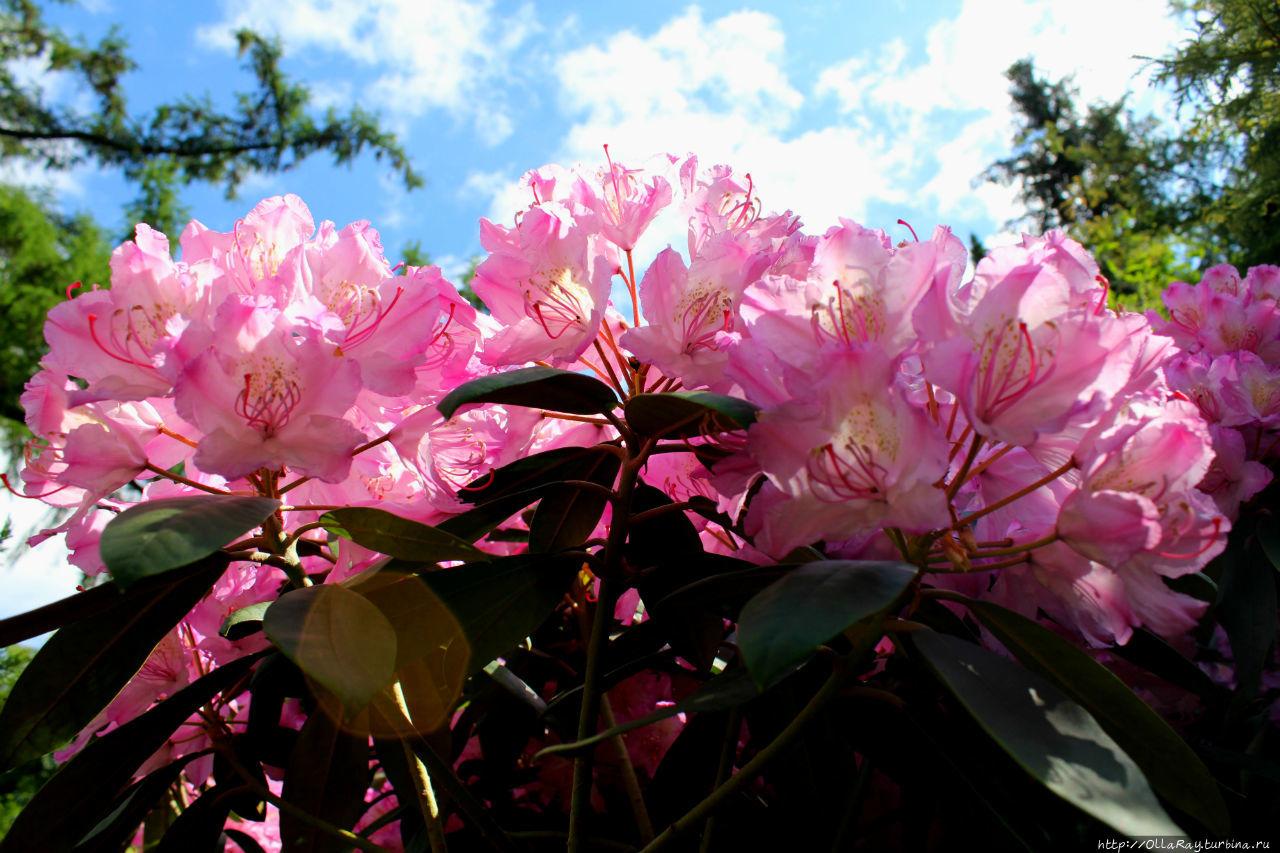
1174,770
536,387
1050,736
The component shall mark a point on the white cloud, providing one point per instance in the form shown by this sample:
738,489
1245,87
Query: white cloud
450,55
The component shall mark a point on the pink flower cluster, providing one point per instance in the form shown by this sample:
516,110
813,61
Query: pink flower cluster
1006,431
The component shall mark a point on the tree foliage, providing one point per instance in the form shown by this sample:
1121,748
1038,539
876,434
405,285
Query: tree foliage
270,128
1155,203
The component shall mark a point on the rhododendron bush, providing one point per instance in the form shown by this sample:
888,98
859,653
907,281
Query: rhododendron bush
823,542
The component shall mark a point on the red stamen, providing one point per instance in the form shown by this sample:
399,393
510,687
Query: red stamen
17,494
474,487
93,318
909,228
1106,289
1213,539
357,336
537,309
72,287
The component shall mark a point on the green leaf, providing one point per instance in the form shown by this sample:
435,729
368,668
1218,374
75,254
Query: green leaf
113,832
1268,533
536,387
87,785
789,619
199,826
1246,608
83,666
245,621
327,776
1049,735
159,535
398,537
685,414
567,514
336,637
500,603
1175,772
530,472
475,523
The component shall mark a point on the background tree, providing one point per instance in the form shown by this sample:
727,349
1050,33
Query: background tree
270,128
1155,203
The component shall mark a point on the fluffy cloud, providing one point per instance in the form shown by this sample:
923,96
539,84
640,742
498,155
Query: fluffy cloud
451,55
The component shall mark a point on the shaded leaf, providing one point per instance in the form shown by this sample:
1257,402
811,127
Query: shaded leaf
162,534
117,828
1049,735
475,523
788,620
398,537
1154,654
199,826
536,387
83,665
567,514
530,472
244,841
1246,607
327,776
1174,770
336,637
87,785
686,414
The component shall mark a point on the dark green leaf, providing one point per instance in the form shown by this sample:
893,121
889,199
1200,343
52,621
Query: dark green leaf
401,538
327,776
500,603
685,414
82,666
337,638
530,472
245,621
567,514
1246,607
114,831
1268,532
245,842
200,825
475,523
1050,736
159,535
1154,654
1174,770
537,387
787,621
87,785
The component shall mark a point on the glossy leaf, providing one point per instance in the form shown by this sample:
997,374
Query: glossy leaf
86,787
336,637
199,826
162,534
327,776
477,522
789,619
685,414
1246,609
245,621
402,538
83,666
567,514
1049,735
1174,770
536,387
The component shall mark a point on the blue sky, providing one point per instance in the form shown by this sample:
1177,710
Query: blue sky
872,111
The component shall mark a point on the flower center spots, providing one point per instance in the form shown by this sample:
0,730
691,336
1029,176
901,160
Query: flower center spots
1009,365
270,394
845,468
556,300
261,258
703,310
854,313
